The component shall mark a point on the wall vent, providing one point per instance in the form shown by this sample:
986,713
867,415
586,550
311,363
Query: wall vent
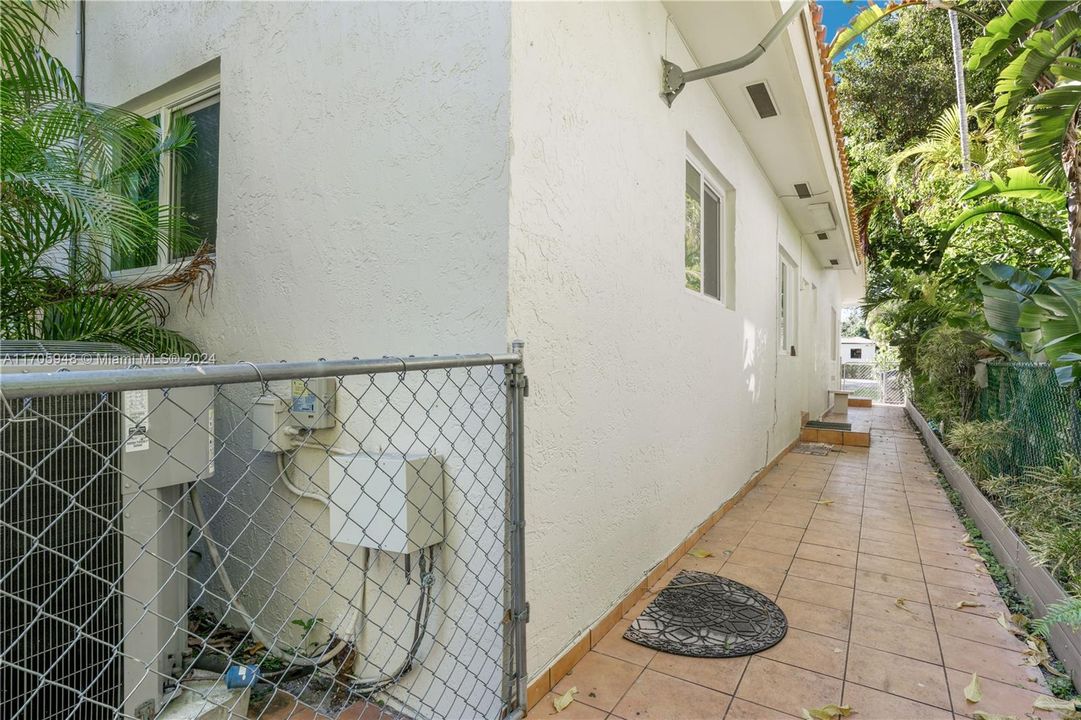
802,190
763,101
823,236
834,261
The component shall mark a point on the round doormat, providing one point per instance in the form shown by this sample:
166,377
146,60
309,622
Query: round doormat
704,615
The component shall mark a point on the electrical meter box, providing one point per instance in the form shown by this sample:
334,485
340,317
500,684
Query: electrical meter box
312,402
309,405
390,502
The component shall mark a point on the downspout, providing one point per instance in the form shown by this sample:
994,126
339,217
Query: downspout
674,78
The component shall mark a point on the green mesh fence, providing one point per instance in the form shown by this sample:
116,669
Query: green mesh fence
1044,417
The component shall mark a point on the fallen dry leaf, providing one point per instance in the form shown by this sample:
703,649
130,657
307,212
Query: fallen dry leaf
967,603
826,712
973,693
966,538
700,553
823,502
1046,702
1001,618
900,602
561,702
981,715
974,556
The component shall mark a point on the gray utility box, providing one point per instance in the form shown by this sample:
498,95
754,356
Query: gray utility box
97,487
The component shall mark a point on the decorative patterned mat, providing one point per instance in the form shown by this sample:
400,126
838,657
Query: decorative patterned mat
704,615
813,448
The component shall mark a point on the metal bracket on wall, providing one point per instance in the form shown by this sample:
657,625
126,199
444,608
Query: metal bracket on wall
674,78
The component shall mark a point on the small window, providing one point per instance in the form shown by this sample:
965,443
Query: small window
187,179
704,235
786,305
855,354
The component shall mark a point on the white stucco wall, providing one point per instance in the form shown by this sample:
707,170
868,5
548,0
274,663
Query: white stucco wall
436,178
649,406
362,212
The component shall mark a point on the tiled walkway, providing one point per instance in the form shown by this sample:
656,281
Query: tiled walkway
838,571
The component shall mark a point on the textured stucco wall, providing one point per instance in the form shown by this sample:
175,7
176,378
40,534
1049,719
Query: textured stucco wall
648,406
362,212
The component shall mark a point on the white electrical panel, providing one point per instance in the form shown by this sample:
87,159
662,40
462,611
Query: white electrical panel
390,502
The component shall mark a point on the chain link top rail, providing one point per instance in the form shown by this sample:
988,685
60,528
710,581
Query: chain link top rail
336,537
59,383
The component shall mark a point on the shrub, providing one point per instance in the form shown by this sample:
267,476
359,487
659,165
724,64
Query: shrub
977,442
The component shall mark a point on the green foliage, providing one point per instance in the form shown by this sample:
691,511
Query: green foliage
863,22
976,441
1040,51
1006,29
946,362
1067,612
900,78
1033,316
70,179
1047,119
1043,505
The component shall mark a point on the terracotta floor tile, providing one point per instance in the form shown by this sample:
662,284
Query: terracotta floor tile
898,675
817,592
891,566
828,538
575,711
786,688
817,619
775,530
780,546
948,561
823,554
883,607
952,546
720,674
996,663
744,555
837,529
656,696
948,597
710,564
963,580
615,646
896,551
998,698
823,572
764,580
977,626
890,585
871,704
601,680
743,710
920,643
810,651
946,519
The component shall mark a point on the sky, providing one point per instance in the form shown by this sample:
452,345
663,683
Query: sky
836,14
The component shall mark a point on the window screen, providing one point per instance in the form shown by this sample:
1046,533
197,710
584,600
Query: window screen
195,176
711,243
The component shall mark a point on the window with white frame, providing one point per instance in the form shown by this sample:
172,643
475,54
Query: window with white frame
705,241
787,292
187,179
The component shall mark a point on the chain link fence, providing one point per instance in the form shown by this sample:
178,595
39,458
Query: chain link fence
1043,417
866,380
341,539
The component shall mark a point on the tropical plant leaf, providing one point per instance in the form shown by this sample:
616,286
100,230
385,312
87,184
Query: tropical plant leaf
1045,120
1006,214
1006,29
864,21
1019,183
1040,51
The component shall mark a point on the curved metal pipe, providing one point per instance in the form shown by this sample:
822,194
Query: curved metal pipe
674,78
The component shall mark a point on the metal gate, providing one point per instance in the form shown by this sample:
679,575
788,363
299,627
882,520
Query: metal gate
339,537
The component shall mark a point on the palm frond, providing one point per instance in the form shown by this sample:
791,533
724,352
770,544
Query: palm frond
1046,119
